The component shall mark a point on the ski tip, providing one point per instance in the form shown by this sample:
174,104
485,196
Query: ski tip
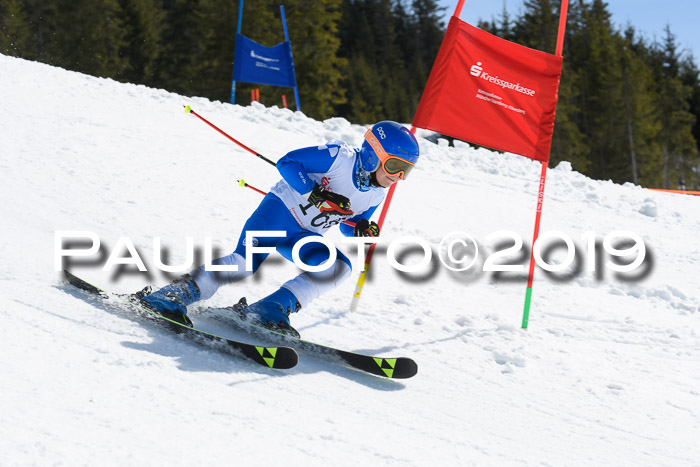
72,278
75,281
392,368
396,368
406,368
287,361
188,109
281,358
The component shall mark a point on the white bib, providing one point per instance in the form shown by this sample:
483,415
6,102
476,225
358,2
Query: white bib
338,179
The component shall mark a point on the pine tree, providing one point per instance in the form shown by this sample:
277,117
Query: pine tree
568,142
15,34
429,31
213,27
144,24
641,122
313,33
174,65
42,20
679,148
690,78
537,27
373,55
90,37
390,49
364,97
602,85
414,75
505,25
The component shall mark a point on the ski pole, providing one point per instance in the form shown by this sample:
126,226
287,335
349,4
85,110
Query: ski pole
189,110
243,184
370,252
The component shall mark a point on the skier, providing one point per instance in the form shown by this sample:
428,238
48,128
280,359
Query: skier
320,187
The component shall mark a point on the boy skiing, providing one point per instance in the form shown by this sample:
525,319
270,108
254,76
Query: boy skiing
320,187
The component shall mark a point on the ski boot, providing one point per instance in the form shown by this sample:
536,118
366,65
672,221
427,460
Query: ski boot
171,301
272,312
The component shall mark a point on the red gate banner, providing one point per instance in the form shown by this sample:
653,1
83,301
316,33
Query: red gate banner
491,92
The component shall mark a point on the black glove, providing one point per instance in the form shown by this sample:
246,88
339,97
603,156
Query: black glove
365,228
329,202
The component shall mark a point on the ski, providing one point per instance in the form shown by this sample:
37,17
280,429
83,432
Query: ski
394,367
271,357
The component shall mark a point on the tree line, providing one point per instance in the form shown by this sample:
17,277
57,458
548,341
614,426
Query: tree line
627,105
359,59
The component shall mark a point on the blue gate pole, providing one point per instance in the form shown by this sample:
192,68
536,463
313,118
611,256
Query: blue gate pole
286,38
238,31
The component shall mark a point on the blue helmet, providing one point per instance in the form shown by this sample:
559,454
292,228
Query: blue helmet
391,144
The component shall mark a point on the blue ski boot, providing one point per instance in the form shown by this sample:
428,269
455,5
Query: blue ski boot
272,311
171,301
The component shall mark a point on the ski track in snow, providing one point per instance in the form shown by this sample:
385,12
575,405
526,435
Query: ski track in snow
607,373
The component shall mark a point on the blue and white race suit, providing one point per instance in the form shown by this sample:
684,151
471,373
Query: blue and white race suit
287,208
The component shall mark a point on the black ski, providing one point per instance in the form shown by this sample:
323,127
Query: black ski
271,357
395,367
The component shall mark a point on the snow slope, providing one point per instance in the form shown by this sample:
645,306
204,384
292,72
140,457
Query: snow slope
606,374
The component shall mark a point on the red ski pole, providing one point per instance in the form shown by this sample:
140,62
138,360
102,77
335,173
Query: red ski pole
243,184
189,110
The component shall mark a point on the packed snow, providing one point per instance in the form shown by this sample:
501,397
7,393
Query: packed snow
607,372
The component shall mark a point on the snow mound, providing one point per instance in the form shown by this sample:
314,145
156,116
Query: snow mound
605,374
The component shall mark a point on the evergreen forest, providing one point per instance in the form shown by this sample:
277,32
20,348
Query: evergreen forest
628,105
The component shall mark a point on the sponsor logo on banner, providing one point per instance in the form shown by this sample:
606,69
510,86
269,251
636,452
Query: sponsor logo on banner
265,59
491,92
260,57
478,71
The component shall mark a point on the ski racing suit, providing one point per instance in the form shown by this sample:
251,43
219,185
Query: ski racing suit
286,207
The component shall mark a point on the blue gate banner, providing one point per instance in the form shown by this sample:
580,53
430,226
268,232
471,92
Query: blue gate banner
255,63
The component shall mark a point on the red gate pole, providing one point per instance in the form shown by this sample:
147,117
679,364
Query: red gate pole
543,177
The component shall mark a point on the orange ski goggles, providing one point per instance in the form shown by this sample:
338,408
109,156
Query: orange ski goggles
393,165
